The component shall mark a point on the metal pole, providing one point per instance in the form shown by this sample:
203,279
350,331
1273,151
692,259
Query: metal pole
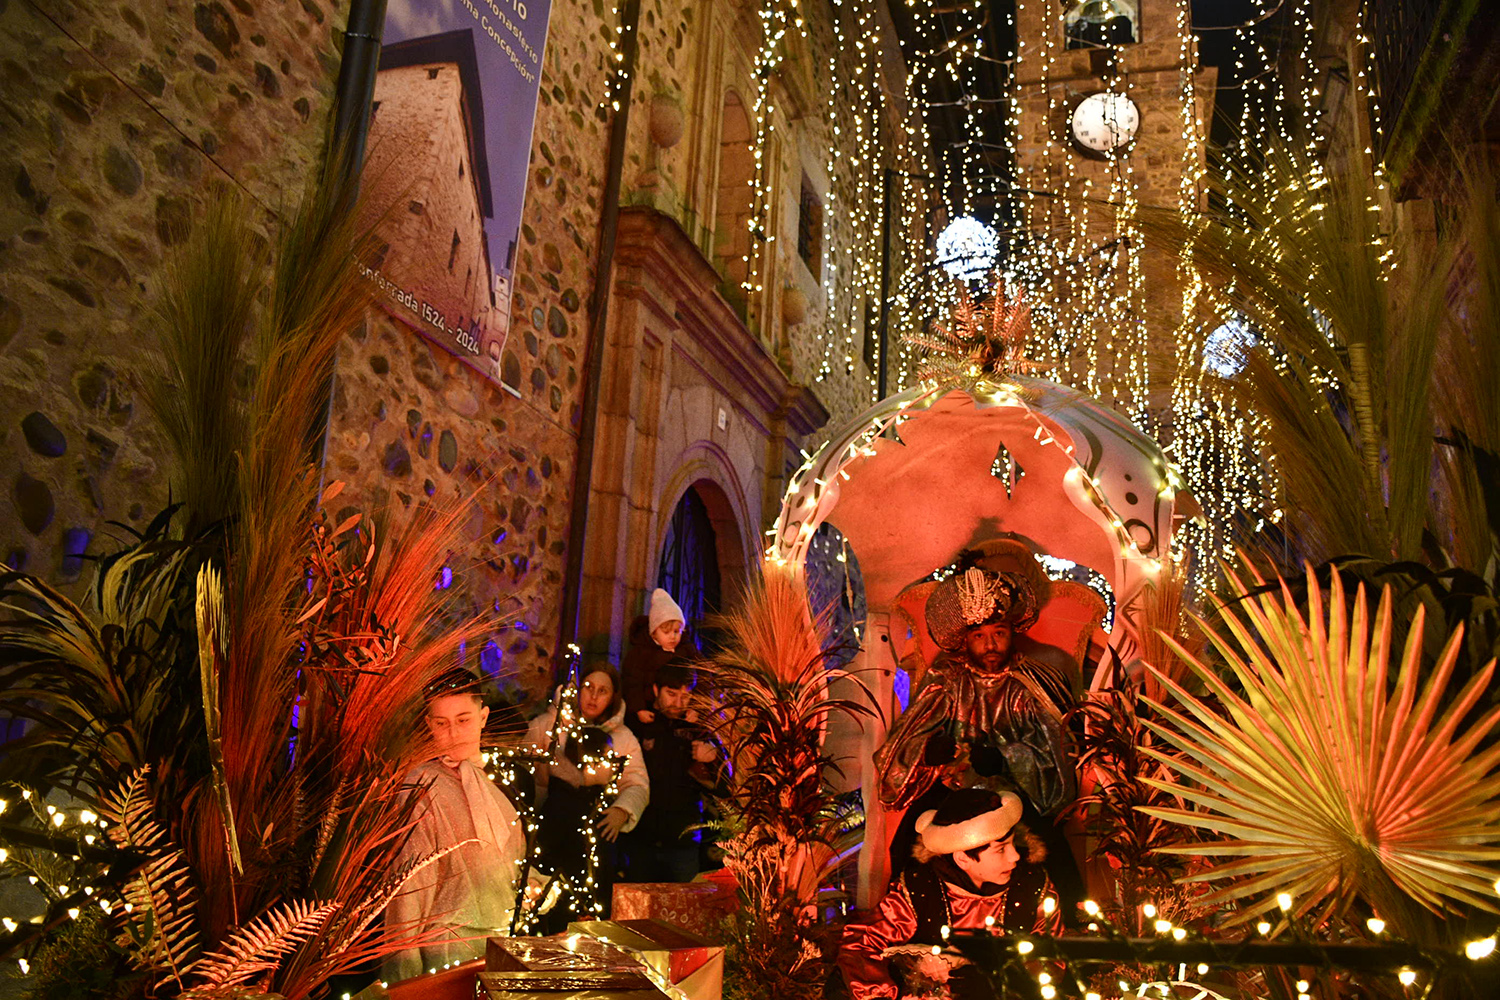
593,358
353,94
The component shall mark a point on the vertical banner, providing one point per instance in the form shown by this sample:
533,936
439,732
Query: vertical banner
445,168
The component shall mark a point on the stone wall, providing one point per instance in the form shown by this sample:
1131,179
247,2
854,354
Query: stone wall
114,119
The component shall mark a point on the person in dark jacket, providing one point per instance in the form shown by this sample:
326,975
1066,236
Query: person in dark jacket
684,764
653,641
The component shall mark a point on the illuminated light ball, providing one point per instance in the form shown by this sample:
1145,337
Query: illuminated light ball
1376,925
1302,985
1284,900
1149,910
1263,927
1483,948
1025,947
967,248
1224,349
1407,977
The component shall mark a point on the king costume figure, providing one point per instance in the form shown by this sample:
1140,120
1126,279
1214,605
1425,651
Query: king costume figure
469,893
990,711
977,868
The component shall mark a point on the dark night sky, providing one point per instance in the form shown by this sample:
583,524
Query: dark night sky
1215,48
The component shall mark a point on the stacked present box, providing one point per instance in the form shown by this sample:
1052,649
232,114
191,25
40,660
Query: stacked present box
693,966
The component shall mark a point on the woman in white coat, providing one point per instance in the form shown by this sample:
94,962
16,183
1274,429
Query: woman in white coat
569,796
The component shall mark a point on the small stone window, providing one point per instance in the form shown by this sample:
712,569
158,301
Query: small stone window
810,229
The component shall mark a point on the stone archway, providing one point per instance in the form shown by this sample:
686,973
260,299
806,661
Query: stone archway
707,476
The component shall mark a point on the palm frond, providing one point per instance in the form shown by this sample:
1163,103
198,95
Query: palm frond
1337,775
1348,316
211,643
96,682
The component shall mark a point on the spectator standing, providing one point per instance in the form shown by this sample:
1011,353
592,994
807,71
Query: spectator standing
467,894
684,764
569,790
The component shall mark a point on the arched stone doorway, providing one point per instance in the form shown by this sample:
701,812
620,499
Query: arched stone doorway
702,560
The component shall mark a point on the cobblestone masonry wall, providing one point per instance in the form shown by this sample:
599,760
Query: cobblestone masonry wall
114,117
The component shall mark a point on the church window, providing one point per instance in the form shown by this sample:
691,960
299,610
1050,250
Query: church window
810,229
1092,24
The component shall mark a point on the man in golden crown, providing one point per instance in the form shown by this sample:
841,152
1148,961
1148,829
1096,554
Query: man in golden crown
989,712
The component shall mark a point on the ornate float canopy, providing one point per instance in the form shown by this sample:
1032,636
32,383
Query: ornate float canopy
937,469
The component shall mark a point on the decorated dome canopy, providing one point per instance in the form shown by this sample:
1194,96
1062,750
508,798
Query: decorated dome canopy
933,470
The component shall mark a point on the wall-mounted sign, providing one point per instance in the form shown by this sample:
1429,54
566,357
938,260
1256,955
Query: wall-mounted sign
445,169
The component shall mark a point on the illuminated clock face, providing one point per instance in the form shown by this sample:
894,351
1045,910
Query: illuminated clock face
1105,121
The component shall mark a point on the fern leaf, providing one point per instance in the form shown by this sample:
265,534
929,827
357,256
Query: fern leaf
127,811
260,946
159,924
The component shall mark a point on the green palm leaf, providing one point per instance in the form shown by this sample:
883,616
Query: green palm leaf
1330,770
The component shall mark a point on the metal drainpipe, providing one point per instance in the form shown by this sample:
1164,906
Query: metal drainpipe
356,84
593,357
353,93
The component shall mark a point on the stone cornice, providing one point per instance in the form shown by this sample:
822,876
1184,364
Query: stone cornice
680,285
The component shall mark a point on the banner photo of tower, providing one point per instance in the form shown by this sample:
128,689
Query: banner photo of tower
445,173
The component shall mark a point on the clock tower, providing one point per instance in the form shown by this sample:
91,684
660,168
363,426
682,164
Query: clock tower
1110,112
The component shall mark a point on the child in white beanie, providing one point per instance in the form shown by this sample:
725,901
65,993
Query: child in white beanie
653,639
